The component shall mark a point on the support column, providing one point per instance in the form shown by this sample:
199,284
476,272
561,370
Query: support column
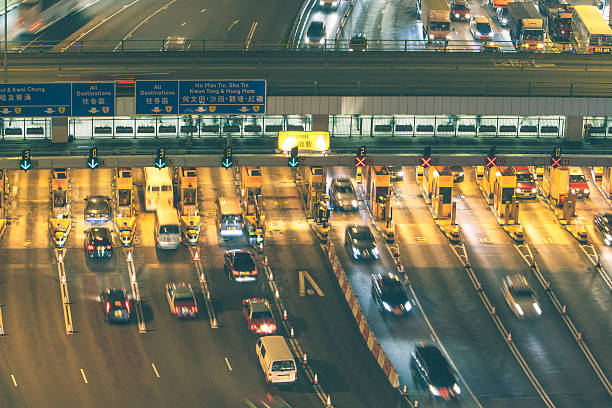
59,130
320,123
573,128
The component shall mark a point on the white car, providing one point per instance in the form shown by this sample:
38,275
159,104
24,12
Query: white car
520,297
481,28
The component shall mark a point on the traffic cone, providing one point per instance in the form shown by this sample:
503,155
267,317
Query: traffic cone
579,339
271,276
316,379
509,339
276,294
563,310
60,258
265,261
285,314
292,333
404,391
328,402
202,278
492,310
214,323
129,257
196,256
305,361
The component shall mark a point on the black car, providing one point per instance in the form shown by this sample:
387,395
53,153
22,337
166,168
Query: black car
98,209
390,294
240,266
431,371
115,305
315,35
603,222
358,42
359,242
457,172
396,173
98,243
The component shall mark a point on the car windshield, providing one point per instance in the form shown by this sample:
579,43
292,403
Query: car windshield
97,204
243,261
440,373
116,295
231,219
522,292
344,188
169,229
283,365
532,35
316,30
358,40
183,294
456,169
524,178
483,28
439,26
459,7
577,178
264,315
362,234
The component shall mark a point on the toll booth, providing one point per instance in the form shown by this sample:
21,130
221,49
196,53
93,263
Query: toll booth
441,191
419,175
598,173
479,171
504,202
125,210
312,182
555,184
378,191
60,217
187,197
4,191
250,187
606,181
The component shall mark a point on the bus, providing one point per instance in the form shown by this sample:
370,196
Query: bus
590,32
158,188
230,221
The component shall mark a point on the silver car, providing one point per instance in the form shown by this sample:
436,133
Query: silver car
520,297
342,195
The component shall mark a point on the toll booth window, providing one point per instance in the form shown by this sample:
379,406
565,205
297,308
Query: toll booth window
255,172
166,187
446,192
60,175
125,174
59,198
317,171
155,188
507,193
189,196
125,198
190,173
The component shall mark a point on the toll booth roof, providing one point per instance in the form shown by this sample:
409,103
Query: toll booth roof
125,173
506,171
189,172
381,170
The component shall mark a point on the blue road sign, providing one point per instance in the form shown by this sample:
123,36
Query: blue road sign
35,100
233,97
93,99
156,97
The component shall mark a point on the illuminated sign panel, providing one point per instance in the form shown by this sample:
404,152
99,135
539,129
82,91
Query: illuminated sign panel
305,141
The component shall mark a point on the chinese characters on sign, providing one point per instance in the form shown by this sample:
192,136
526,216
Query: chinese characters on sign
35,99
93,99
307,141
222,97
156,97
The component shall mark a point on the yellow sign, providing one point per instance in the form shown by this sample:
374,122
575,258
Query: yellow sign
305,141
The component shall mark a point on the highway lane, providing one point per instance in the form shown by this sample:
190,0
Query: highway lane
396,335
324,325
450,301
559,365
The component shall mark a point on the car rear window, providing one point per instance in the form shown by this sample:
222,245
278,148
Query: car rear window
577,178
344,188
261,315
283,365
244,262
483,28
362,234
169,229
460,7
524,178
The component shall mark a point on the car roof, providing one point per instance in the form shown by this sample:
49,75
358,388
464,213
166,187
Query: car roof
260,307
575,171
439,368
518,281
342,180
115,294
182,290
103,231
98,198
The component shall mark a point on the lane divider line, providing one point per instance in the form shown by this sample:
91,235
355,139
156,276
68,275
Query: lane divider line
84,377
65,298
155,370
142,328
195,256
228,364
14,380
249,38
1,322
133,30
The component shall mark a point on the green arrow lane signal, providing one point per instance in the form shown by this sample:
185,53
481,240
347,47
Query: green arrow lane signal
26,161
93,160
294,160
160,160
227,160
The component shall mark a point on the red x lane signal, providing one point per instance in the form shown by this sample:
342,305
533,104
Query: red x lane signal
555,162
425,162
360,161
490,161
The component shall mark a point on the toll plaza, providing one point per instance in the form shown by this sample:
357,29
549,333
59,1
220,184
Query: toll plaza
4,191
606,181
125,212
562,201
378,199
60,218
249,183
437,187
188,206
312,186
498,185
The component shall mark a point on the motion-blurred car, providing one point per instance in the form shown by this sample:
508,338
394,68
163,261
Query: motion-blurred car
176,43
460,10
97,209
481,28
266,401
502,16
432,372
390,294
359,242
603,222
396,173
259,316
98,243
342,195
578,183
115,305
315,35
457,172
239,265
520,297
489,46
358,42
181,300
525,184
329,4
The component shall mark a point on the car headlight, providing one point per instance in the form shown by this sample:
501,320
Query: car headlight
518,190
448,36
387,306
533,190
321,3
355,252
408,306
586,191
519,308
434,390
457,389
322,41
431,36
375,251
573,190
540,45
536,307
354,203
400,174
456,15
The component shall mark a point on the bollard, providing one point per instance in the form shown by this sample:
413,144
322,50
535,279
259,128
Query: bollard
142,328
202,277
129,257
579,338
214,323
563,310
404,391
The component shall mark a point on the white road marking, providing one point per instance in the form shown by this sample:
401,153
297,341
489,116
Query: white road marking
312,282
203,11
228,364
233,24
164,7
155,370
184,24
84,378
247,43
14,381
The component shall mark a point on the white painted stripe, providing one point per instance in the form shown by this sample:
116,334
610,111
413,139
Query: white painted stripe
155,370
84,378
228,364
164,7
14,381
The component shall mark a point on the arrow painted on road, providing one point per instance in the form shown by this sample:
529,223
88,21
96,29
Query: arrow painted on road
49,110
93,163
227,163
160,164
294,162
93,110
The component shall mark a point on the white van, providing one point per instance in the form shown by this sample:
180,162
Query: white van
276,360
167,228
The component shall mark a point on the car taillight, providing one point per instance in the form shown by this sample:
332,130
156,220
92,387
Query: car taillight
235,273
269,376
175,310
107,307
252,326
109,247
194,309
118,303
90,247
127,305
254,272
180,239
